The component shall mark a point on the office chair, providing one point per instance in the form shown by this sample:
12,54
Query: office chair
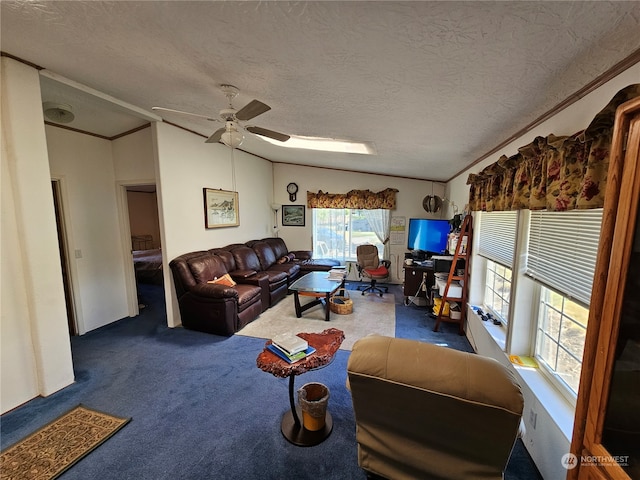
370,266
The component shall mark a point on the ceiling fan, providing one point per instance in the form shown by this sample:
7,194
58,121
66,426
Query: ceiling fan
229,134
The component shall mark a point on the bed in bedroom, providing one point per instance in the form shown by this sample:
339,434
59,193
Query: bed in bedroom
147,262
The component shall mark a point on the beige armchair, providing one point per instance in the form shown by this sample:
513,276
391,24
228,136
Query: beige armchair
424,411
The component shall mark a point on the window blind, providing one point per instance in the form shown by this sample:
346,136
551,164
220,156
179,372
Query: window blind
497,239
562,250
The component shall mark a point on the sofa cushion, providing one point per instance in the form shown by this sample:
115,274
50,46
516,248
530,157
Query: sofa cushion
265,254
276,278
291,269
246,258
277,245
227,258
246,295
320,265
206,268
182,277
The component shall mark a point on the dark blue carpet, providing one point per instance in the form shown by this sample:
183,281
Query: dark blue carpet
200,407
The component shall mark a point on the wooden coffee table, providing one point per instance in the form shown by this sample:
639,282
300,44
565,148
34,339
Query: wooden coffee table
318,285
326,344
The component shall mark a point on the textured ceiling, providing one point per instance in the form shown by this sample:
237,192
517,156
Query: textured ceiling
434,85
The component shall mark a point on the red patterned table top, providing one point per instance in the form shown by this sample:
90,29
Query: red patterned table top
326,344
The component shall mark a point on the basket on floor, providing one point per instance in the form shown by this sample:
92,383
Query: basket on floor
341,304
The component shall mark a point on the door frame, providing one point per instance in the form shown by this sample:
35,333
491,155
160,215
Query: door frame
61,198
125,240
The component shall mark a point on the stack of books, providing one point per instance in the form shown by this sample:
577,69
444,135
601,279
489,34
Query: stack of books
337,274
290,347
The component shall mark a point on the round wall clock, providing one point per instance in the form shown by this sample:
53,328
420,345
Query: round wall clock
292,188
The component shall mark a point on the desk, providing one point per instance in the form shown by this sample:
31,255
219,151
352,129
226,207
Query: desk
326,344
413,277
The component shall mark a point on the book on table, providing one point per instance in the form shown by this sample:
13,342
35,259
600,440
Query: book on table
296,357
290,343
337,274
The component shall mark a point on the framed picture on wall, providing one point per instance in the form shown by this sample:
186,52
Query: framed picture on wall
220,208
293,215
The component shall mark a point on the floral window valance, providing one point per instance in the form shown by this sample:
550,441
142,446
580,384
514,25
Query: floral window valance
363,199
553,173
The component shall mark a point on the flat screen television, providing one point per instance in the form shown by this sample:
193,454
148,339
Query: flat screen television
428,235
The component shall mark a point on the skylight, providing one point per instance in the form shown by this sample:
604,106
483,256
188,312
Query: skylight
326,145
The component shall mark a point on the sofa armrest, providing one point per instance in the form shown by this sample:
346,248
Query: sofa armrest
212,290
242,274
303,254
260,279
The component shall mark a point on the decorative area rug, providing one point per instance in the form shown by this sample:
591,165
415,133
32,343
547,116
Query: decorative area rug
51,450
371,314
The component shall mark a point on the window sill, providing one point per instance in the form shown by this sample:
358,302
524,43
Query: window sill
554,402
497,332
560,410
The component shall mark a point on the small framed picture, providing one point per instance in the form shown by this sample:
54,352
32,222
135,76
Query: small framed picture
220,208
293,215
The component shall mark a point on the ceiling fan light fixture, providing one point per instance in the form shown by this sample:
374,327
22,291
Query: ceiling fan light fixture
58,112
232,137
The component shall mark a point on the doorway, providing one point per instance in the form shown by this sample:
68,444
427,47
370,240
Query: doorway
146,247
64,257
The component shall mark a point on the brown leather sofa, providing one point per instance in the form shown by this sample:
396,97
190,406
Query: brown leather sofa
213,308
250,277
247,260
425,411
303,258
269,261
263,270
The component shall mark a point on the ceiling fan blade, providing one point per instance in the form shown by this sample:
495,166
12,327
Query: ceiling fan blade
171,110
252,110
217,135
281,137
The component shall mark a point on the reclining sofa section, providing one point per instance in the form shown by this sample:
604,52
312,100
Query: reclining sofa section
261,270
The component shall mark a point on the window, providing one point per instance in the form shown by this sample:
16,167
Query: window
562,325
562,250
498,236
497,292
497,243
535,273
561,257
337,232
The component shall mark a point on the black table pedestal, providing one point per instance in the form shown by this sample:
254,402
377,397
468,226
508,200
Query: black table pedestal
292,428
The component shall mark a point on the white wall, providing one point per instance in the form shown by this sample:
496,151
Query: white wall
36,352
133,160
408,205
84,165
134,164
186,165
